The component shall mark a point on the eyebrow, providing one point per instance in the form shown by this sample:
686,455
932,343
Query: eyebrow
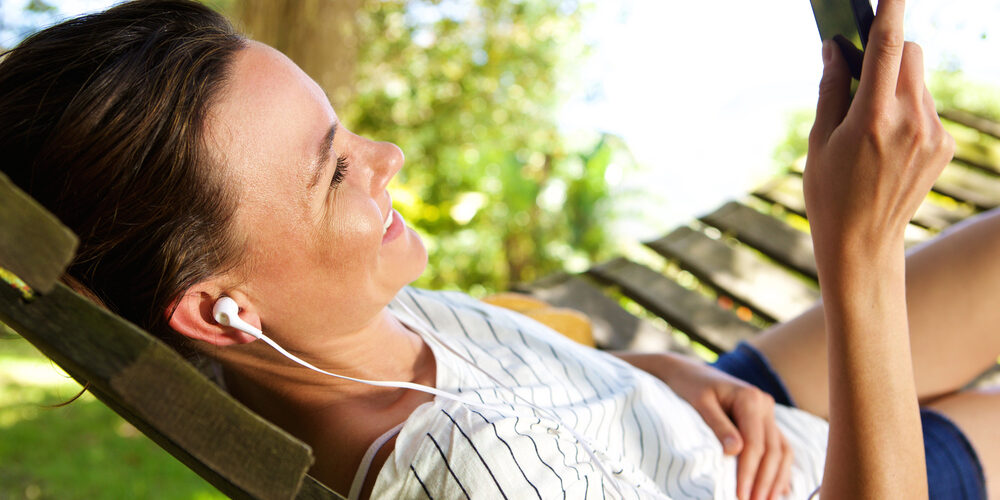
322,156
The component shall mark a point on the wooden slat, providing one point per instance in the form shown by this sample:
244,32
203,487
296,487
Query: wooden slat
968,185
34,245
768,235
964,158
787,192
938,218
151,386
614,328
768,289
688,311
970,120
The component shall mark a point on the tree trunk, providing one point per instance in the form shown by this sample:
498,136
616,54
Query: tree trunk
319,35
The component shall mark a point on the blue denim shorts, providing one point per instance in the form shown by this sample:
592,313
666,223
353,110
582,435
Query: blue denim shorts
953,468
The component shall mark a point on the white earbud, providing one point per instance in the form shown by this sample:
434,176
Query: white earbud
227,312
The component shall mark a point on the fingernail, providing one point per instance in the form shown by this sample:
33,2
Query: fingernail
728,443
827,51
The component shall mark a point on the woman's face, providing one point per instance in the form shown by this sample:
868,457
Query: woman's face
312,201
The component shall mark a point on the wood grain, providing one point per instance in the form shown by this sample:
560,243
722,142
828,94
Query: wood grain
34,245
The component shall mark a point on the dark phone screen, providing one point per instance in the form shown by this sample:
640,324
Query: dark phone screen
847,22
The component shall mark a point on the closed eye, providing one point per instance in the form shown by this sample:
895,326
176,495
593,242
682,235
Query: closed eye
340,172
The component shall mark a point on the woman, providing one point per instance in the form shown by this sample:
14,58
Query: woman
195,165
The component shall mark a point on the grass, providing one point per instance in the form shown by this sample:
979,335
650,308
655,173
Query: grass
82,450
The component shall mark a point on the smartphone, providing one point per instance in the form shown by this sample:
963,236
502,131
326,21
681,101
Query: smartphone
846,22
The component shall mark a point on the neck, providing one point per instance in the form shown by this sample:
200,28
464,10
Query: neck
383,350
338,418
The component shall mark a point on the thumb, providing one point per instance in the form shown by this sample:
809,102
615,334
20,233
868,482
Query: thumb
834,92
722,426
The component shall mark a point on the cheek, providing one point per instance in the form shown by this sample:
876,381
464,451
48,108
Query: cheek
348,238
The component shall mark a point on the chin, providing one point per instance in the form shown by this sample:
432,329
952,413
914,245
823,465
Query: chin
414,262
420,259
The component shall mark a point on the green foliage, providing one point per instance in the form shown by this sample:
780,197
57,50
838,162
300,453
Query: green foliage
40,6
952,90
469,91
796,142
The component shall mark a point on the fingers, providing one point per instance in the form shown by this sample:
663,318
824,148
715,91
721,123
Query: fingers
884,52
941,140
721,425
749,460
911,72
768,467
834,94
769,472
782,483
763,468
753,412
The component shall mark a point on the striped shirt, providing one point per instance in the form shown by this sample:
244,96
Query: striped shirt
652,443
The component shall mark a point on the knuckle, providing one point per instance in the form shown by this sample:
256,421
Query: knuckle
874,124
947,143
913,50
704,399
916,131
763,399
874,133
828,84
753,449
889,40
755,442
756,400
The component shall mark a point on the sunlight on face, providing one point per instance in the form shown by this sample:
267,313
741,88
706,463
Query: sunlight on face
319,255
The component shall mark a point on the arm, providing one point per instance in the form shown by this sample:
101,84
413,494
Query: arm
871,162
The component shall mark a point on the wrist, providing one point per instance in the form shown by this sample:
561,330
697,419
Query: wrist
859,258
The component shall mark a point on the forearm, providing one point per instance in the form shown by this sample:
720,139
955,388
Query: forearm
661,365
875,443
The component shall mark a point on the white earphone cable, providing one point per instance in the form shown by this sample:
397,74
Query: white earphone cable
226,312
394,384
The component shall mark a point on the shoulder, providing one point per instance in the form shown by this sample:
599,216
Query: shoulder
436,304
455,313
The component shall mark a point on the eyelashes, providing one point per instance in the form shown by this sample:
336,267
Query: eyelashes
340,172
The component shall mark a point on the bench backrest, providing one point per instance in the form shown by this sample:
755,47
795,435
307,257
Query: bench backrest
135,374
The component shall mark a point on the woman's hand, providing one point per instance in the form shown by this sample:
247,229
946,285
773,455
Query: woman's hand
872,161
741,416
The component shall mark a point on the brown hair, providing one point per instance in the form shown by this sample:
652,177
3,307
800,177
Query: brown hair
103,123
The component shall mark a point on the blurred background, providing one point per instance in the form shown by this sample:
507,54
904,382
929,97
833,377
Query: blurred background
540,136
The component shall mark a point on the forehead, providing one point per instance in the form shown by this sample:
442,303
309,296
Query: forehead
270,119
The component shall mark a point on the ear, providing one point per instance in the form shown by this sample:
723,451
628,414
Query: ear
192,317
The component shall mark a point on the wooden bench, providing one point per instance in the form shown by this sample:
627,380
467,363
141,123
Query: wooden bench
136,375
731,273
704,286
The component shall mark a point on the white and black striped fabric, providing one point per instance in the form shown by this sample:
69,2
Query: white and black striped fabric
654,444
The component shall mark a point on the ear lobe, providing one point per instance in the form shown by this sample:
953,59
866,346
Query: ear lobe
192,317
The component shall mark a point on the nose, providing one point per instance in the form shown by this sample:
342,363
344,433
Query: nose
387,160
